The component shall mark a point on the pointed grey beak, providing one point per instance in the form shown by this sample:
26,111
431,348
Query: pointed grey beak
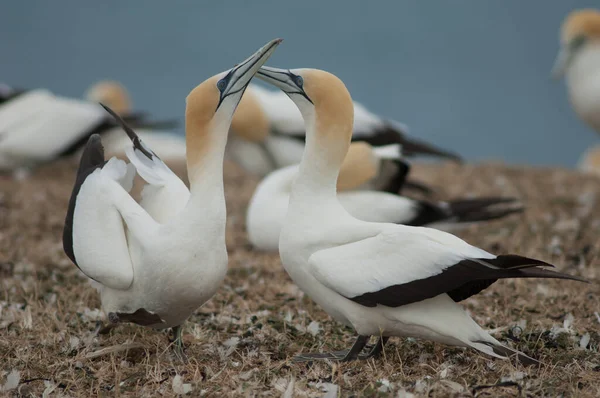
562,61
238,78
284,79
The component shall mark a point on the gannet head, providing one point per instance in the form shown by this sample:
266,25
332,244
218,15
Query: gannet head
579,30
111,93
319,95
212,103
361,164
249,120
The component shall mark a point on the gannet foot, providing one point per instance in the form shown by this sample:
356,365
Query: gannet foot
177,342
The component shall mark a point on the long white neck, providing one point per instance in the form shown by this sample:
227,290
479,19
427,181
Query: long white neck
205,171
320,164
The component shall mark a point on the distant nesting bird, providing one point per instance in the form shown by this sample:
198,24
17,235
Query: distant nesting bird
579,61
590,161
37,126
381,279
156,262
269,204
168,146
268,133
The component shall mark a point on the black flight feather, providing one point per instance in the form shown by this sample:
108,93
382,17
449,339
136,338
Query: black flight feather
91,159
461,281
465,210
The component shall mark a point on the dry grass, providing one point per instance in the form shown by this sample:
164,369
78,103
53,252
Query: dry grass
240,343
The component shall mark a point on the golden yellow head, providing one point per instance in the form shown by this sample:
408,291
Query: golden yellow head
201,105
581,23
249,120
579,29
210,106
308,88
111,93
332,101
359,167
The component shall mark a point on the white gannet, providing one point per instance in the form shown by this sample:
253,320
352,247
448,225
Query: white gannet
168,146
156,262
268,132
38,126
579,61
268,206
589,162
381,279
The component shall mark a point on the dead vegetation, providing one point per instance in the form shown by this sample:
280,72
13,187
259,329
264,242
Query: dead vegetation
240,343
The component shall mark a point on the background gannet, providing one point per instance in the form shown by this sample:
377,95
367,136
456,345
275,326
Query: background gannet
39,126
168,146
267,208
381,279
579,61
156,262
269,132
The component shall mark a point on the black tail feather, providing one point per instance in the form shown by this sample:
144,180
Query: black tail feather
509,353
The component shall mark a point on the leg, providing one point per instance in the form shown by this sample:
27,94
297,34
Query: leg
342,356
377,348
178,342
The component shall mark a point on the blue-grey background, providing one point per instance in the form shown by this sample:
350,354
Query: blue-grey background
469,75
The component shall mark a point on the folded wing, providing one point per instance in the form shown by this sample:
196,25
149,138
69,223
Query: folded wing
404,265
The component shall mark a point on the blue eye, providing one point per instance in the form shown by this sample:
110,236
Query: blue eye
221,84
299,81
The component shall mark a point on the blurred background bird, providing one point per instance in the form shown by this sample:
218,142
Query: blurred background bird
578,61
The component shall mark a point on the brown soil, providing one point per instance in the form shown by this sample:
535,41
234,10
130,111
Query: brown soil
240,343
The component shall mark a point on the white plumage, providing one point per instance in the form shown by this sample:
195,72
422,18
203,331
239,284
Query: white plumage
269,204
381,279
156,262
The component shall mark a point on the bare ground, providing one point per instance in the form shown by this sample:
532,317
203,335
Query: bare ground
241,342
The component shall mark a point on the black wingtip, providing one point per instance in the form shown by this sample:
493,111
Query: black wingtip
484,209
413,147
388,133
93,154
91,159
130,133
419,187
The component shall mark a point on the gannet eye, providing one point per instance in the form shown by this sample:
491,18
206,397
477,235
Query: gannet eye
299,81
577,42
221,84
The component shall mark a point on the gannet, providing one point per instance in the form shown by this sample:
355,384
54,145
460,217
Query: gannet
381,279
269,203
168,146
579,61
589,161
38,126
156,262
268,132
